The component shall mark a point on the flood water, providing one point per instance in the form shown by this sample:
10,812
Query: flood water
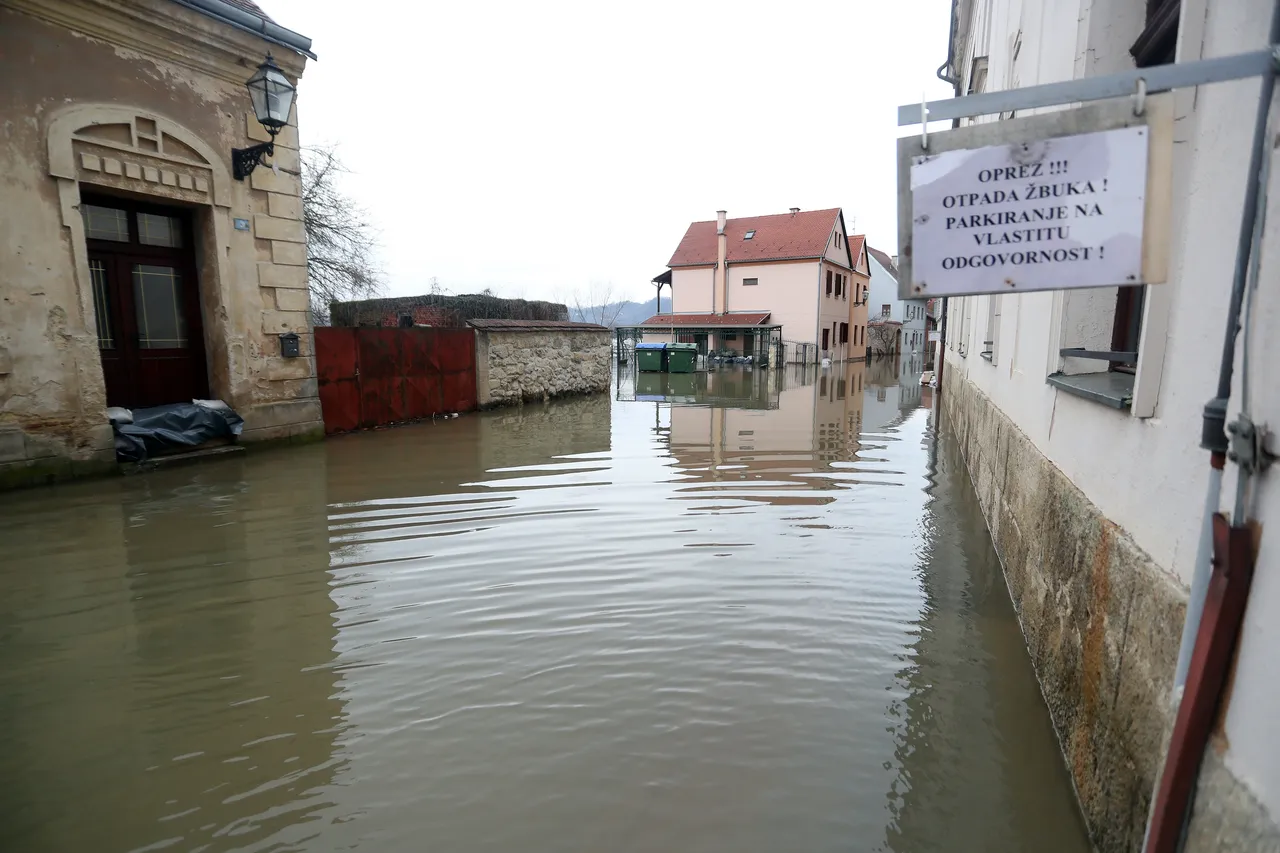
739,611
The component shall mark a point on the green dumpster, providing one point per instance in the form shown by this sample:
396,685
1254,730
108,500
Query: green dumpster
682,358
650,357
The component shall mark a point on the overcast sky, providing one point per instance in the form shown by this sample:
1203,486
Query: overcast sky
536,148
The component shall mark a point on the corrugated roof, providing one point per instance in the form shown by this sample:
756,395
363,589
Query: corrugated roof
780,237
534,326
744,318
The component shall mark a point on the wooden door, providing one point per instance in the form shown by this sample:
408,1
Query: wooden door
147,302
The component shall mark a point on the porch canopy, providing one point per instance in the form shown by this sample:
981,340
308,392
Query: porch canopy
705,328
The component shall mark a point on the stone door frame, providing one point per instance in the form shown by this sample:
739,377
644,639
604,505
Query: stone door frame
141,152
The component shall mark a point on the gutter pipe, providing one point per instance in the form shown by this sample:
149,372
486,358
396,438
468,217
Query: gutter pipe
251,23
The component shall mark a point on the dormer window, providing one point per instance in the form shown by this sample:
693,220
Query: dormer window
749,234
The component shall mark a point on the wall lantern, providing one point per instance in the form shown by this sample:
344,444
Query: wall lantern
272,96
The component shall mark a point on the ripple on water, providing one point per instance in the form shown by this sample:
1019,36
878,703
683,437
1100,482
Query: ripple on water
594,625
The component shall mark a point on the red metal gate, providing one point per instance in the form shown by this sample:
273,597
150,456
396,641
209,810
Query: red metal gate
373,377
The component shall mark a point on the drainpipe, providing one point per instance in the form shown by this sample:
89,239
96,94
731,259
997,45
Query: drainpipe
944,74
720,296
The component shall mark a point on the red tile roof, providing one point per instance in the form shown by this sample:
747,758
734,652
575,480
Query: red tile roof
744,318
855,246
781,237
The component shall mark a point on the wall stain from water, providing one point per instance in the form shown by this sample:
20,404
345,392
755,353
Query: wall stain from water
748,611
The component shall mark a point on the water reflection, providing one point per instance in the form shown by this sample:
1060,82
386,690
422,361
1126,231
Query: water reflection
165,669
730,611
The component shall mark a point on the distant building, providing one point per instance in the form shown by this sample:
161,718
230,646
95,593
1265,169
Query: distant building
732,279
897,325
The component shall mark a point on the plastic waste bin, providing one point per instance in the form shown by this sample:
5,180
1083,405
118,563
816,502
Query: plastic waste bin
682,358
650,358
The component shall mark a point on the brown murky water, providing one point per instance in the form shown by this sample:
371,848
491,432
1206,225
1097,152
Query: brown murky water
770,623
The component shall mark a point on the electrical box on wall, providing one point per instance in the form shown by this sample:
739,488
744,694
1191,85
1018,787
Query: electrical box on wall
289,345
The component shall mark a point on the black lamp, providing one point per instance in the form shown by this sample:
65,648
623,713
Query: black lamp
272,96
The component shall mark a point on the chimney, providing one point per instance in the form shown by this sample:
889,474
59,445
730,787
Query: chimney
722,274
794,211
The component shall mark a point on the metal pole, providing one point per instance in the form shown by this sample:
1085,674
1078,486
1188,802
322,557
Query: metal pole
1213,436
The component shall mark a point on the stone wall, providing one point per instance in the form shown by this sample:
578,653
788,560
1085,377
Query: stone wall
150,108
1102,622
517,366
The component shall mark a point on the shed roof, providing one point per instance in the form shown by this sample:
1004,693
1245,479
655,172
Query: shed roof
743,318
534,326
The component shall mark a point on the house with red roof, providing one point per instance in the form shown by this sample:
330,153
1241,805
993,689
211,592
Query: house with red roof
733,279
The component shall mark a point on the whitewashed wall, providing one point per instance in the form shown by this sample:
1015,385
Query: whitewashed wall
1144,468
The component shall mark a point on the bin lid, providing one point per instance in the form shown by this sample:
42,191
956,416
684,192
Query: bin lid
683,346
652,346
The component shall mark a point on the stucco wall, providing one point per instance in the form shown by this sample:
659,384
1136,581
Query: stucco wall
692,290
514,367
146,99
1142,470
835,309
785,291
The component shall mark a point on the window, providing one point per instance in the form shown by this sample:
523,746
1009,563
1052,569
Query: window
829,275
837,240
826,339
886,310
839,282
844,333
750,282
992,335
1157,44
978,75
101,304
1126,329
158,300
105,223
749,234
157,230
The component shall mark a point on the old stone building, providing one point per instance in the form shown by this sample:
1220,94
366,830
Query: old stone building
135,268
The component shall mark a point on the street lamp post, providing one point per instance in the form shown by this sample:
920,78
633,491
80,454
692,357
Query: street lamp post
272,97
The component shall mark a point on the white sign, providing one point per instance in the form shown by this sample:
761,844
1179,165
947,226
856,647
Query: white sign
1053,214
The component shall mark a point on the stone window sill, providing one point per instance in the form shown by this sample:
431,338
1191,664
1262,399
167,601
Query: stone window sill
1111,388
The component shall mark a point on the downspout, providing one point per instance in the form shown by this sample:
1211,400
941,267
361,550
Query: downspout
944,74
1225,554
817,320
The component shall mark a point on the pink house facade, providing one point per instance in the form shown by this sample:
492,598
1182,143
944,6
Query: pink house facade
799,270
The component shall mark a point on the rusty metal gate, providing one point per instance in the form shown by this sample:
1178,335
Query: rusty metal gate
373,377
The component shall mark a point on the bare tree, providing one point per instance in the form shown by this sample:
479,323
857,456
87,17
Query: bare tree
598,303
340,238
882,338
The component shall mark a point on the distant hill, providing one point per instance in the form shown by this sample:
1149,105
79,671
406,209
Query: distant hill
628,313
